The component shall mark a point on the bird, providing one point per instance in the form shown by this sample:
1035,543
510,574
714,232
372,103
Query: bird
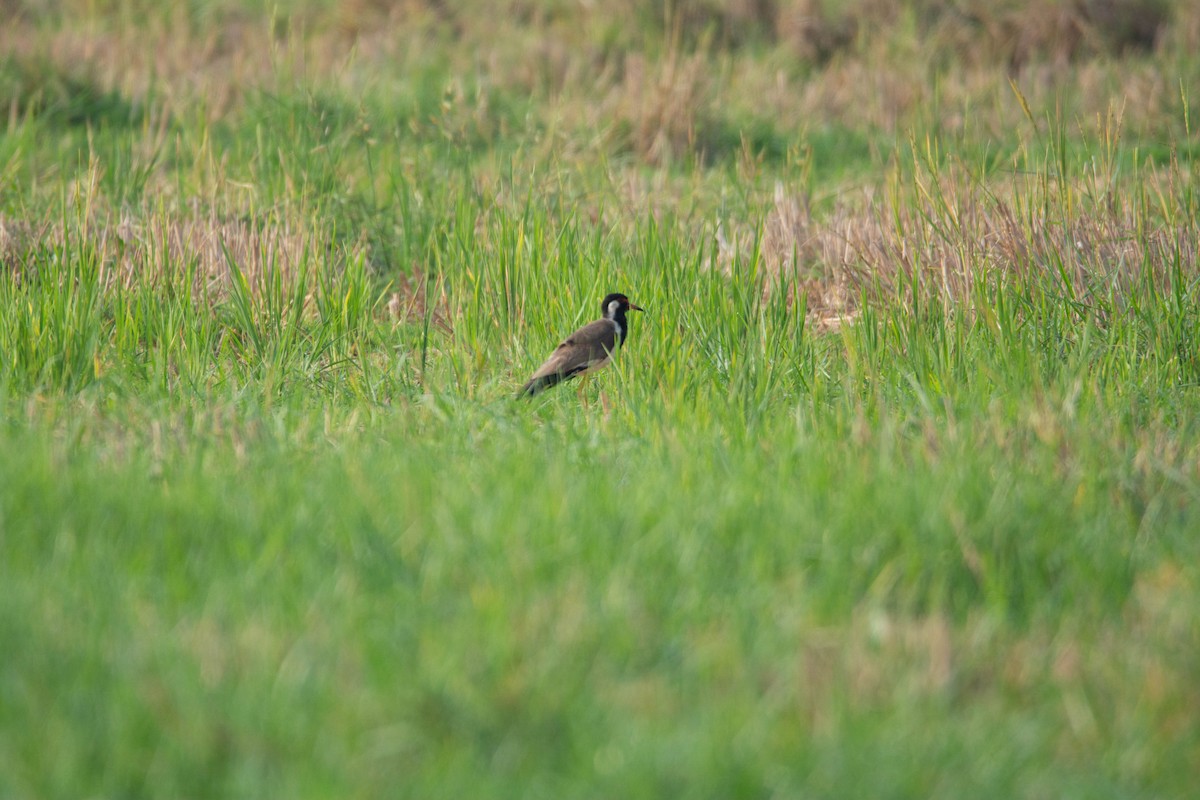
586,350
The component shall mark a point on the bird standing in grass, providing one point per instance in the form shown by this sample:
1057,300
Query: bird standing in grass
586,350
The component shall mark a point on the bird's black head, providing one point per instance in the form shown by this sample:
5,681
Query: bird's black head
616,304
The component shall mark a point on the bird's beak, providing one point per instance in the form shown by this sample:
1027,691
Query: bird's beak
633,307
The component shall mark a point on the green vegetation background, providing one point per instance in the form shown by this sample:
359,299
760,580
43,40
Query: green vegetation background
893,492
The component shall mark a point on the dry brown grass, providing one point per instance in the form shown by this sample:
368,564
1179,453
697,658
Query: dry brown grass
604,88
659,104
167,249
944,234
798,62
416,299
185,64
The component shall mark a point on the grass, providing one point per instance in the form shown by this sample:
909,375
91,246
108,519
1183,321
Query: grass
892,491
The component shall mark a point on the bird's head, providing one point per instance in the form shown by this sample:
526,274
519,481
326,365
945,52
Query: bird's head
617,303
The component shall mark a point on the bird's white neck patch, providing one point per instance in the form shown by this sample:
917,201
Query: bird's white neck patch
612,308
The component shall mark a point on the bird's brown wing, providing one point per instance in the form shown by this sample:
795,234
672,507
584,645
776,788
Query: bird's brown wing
590,345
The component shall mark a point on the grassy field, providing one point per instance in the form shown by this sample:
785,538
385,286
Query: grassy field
893,492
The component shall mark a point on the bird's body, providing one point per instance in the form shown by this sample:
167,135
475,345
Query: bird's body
586,350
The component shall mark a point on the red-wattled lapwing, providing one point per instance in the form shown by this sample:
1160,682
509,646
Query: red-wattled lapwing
587,349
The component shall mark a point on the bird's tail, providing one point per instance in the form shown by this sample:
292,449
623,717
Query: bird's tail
539,385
